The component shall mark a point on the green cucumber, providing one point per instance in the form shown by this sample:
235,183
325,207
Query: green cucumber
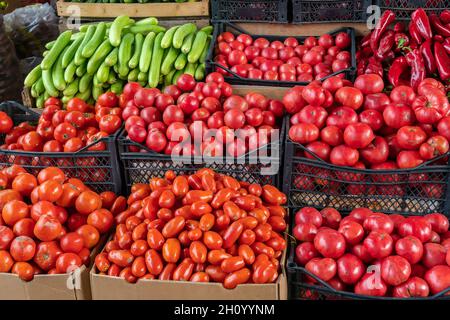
95,82
112,77
103,72
69,72
190,68
81,70
85,82
58,73
181,33
99,56
39,86
60,44
204,54
207,29
200,72
115,32
142,76
70,52
40,102
72,88
79,59
49,45
168,78
166,41
176,75
48,83
97,91
84,95
112,57
144,29
125,54
117,87
169,60
197,47
33,92
187,43
98,37
157,56
66,99
133,75
181,61
145,21
146,52
138,41
33,76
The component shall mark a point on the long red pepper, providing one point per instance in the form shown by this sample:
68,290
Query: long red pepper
414,33
398,67
386,43
438,26
445,16
420,19
446,45
418,72
442,61
428,57
386,19
374,67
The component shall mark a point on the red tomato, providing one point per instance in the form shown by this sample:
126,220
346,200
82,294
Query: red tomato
438,278
330,243
369,83
344,156
378,244
350,97
397,116
325,268
350,268
358,135
304,133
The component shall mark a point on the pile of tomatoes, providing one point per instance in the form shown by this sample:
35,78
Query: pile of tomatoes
205,227
360,126
199,118
67,130
50,223
375,254
261,59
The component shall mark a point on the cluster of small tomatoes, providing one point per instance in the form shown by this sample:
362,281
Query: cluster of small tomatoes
261,59
374,254
50,223
204,227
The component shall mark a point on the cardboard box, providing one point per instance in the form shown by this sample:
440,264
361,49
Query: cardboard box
71,286
114,288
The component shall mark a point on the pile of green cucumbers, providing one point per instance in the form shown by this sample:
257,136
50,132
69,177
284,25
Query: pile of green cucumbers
105,56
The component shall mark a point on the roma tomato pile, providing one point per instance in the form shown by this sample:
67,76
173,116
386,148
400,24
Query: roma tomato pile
205,227
375,254
66,129
199,118
290,60
50,223
357,125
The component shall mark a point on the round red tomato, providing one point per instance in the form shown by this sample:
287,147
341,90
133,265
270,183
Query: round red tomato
398,115
438,278
378,244
46,255
344,156
352,231
369,83
324,269
304,252
358,135
330,243
414,287
409,159
350,97
350,268
342,117
22,248
68,262
395,270
409,248
304,133
433,254
410,137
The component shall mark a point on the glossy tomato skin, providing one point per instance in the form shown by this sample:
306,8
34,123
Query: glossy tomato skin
371,285
395,270
330,243
415,226
323,268
358,135
378,244
438,278
410,248
414,287
350,268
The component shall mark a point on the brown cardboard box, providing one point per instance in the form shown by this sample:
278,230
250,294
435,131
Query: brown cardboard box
114,288
73,286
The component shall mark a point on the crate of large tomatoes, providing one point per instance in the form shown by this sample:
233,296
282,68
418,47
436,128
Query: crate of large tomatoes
76,138
280,61
363,254
52,226
352,145
193,124
204,235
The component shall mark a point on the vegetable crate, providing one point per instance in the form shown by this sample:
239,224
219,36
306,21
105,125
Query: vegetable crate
320,11
250,10
140,163
97,169
404,8
234,78
133,10
316,183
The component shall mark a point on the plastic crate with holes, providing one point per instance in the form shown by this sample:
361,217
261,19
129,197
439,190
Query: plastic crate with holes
250,10
320,11
404,8
98,169
262,165
310,181
234,78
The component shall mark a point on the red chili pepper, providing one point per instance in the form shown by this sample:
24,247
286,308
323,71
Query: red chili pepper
445,16
399,27
401,41
386,19
365,42
438,26
418,72
398,67
386,43
438,38
374,67
420,19
414,33
428,57
446,45
361,67
442,61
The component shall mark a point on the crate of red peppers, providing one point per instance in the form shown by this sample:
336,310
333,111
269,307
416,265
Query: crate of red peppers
404,8
71,139
248,59
320,11
250,10
406,53
196,124
353,145
363,254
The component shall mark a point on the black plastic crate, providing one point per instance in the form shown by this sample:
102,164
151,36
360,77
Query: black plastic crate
98,169
316,183
250,10
320,11
211,65
404,8
140,166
